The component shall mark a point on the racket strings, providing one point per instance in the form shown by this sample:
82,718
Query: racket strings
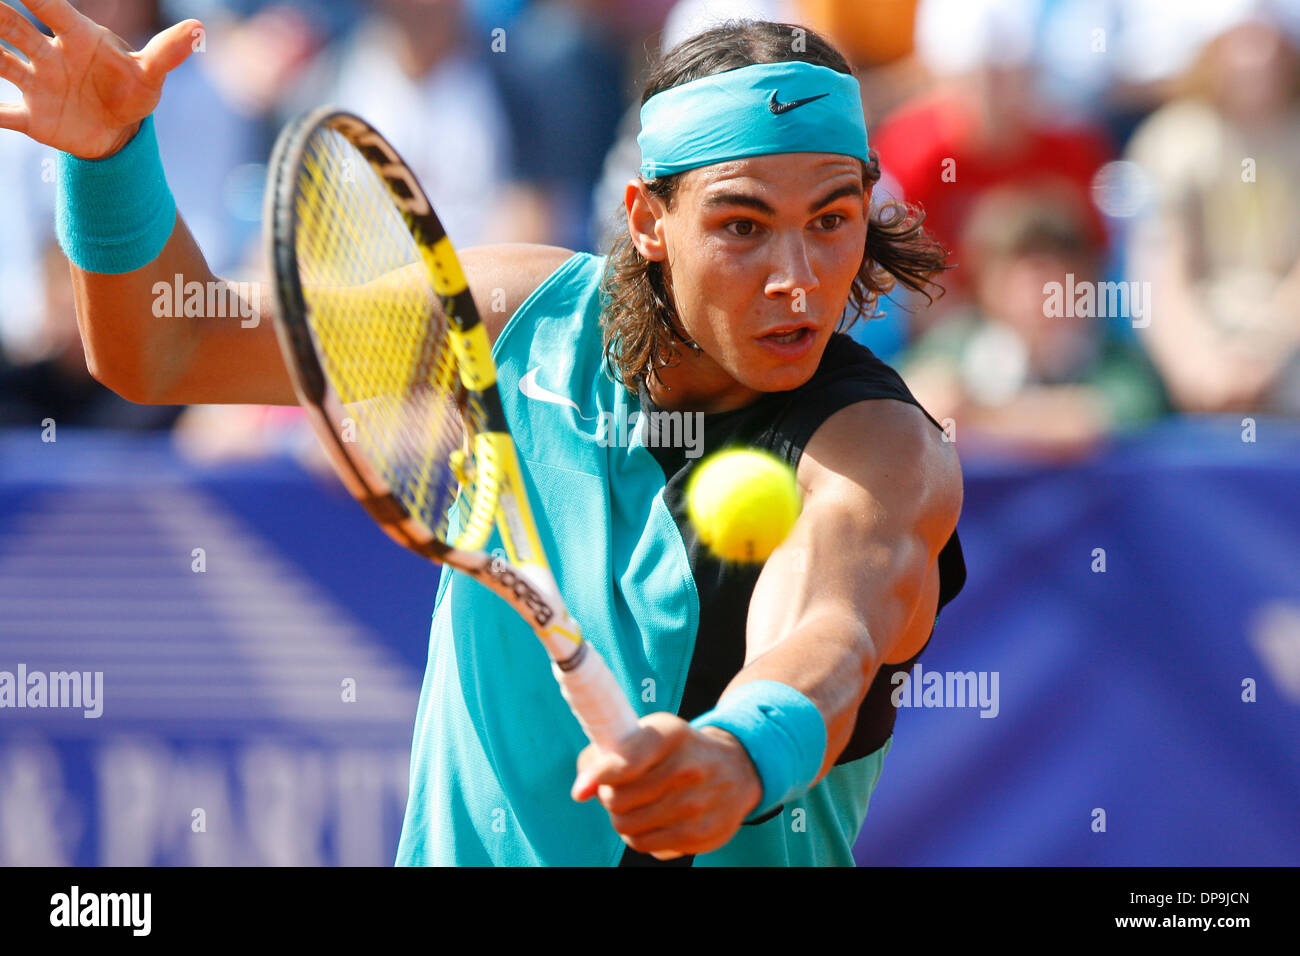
381,337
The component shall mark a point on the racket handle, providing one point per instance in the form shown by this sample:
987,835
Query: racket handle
596,698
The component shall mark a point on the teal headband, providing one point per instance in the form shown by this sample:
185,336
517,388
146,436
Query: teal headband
791,107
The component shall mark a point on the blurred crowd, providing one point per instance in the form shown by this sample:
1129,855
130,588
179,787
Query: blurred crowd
1117,182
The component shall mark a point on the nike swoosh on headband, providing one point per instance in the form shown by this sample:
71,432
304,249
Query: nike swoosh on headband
779,108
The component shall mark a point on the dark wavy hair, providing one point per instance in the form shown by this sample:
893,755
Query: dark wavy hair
639,324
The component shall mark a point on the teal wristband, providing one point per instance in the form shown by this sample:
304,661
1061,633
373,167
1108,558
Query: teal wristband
782,731
114,215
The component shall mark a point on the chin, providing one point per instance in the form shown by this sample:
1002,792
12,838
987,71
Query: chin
783,378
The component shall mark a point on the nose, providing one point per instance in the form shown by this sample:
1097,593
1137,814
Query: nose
792,270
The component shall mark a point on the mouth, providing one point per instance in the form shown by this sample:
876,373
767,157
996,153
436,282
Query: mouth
788,335
789,341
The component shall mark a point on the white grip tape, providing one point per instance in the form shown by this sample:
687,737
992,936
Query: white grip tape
596,699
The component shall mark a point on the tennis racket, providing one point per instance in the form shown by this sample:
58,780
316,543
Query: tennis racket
393,366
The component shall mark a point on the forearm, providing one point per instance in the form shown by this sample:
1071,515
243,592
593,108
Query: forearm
156,324
140,342
171,332
828,611
831,659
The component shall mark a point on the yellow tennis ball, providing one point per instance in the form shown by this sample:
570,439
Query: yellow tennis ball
743,503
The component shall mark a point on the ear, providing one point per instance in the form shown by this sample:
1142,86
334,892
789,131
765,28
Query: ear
645,215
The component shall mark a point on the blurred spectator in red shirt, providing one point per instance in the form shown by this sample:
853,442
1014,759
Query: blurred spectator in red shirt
983,125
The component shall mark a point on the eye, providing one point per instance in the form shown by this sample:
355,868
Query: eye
744,228
830,221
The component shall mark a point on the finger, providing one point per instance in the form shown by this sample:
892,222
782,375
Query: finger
14,70
671,774
674,808
670,842
18,30
169,49
593,764
58,15
589,757
633,756
618,766
14,116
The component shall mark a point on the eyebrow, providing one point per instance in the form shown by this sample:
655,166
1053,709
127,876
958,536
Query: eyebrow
848,189
738,199
753,202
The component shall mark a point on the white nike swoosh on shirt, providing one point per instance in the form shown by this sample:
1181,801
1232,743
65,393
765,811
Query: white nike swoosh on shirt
528,385
530,389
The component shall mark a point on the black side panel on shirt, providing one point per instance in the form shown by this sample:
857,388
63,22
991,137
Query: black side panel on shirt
783,423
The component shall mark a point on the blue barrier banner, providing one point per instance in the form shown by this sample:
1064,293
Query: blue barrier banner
1141,613
246,644
221,666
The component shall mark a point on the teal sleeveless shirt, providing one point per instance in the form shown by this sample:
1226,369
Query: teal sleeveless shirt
494,748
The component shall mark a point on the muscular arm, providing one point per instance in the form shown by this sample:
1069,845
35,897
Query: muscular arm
856,583
176,359
234,360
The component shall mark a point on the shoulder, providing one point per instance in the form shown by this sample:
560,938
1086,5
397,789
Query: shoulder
849,372
501,277
886,456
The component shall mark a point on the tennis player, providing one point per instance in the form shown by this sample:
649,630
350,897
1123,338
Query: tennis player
750,235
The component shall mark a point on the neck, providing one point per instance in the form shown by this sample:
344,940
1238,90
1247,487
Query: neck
695,383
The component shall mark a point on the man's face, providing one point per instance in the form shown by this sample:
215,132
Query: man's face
761,256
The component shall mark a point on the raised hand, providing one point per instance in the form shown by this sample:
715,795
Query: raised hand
84,90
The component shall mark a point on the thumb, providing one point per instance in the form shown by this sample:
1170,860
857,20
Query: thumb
590,763
628,759
170,48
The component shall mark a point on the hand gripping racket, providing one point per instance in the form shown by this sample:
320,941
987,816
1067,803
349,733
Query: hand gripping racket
394,369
